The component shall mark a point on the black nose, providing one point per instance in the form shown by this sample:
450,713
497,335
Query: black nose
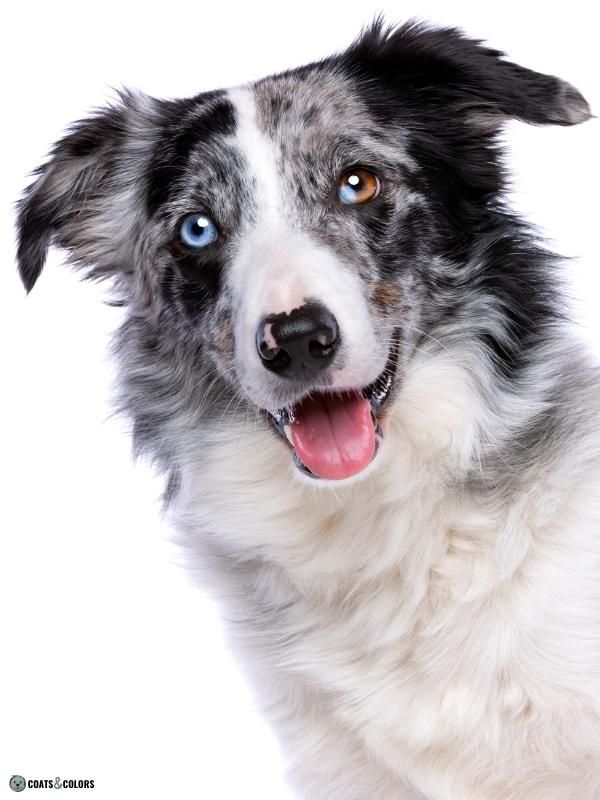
299,344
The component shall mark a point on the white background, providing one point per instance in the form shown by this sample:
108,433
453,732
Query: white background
113,665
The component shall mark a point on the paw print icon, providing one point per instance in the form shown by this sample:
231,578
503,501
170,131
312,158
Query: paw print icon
17,783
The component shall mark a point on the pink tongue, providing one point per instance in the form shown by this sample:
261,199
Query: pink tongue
334,435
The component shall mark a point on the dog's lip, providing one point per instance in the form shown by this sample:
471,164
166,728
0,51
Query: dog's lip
377,393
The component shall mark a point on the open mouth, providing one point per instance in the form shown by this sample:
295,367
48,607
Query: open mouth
335,435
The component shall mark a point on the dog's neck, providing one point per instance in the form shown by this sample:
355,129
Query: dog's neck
240,489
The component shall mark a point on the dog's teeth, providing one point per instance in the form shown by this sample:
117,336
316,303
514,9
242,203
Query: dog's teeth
288,433
279,417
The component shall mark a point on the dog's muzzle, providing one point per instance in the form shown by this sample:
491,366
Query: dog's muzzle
336,435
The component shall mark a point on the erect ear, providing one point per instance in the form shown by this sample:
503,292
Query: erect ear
78,198
461,75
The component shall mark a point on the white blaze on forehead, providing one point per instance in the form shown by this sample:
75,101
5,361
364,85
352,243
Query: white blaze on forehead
278,266
258,151
268,278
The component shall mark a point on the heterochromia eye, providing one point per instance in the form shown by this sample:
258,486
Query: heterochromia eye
197,231
358,186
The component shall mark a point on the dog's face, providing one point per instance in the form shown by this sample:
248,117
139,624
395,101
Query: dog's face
289,243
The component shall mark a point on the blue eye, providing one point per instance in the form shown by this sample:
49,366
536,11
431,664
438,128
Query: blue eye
197,231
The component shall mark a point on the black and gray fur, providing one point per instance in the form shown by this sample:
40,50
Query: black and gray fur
438,250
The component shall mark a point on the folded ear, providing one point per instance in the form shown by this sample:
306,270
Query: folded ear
463,76
76,199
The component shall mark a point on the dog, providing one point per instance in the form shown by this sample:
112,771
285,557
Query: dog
380,438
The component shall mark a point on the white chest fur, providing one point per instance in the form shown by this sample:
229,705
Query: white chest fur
458,636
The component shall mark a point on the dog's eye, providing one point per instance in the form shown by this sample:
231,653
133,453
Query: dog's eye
197,231
358,185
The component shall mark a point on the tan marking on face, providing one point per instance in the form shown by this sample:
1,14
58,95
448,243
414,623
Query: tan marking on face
224,340
385,294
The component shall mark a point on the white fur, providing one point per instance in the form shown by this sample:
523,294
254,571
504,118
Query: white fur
278,267
406,639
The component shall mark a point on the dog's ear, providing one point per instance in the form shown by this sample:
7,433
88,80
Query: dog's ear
77,200
461,76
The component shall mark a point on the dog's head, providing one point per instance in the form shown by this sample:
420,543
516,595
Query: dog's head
291,242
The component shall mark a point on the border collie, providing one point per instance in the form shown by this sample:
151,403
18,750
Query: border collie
380,438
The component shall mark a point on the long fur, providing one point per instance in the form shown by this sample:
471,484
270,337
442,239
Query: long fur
430,629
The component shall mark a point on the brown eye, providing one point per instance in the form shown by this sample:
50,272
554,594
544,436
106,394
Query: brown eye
358,186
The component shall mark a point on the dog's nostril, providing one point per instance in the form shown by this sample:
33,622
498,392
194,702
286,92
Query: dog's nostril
277,357
269,353
318,349
298,344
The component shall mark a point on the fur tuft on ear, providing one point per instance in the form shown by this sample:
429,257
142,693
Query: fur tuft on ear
35,232
72,202
464,76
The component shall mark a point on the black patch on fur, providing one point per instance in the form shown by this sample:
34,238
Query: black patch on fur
447,95
81,165
415,226
167,285
195,283
311,115
522,280
411,240
517,279
90,136
375,218
279,105
186,124
449,73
